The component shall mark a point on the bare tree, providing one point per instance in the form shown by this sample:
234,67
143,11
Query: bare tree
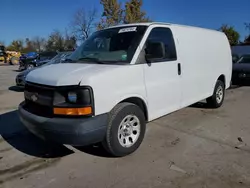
83,23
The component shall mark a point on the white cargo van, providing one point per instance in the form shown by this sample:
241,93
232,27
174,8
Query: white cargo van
123,77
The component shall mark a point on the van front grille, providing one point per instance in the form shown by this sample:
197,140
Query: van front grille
37,109
39,99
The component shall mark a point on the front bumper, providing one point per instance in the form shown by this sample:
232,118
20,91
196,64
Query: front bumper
241,78
20,81
70,131
21,67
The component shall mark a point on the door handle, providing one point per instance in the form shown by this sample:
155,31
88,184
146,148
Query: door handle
179,69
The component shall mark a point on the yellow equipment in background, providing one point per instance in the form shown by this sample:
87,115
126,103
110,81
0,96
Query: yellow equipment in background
3,55
13,57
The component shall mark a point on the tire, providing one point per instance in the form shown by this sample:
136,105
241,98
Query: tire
14,61
30,66
217,99
231,84
118,142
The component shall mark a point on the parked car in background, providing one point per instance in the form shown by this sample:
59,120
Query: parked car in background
59,58
22,58
34,59
241,70
240,49
235,58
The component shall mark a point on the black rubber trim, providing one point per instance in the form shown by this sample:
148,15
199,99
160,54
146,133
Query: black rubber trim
72,131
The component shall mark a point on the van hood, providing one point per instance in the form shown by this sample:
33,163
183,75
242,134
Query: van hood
65,74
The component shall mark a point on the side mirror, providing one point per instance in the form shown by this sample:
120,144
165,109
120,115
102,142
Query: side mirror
154,51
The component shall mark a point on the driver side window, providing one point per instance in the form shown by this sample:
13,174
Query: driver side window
165,37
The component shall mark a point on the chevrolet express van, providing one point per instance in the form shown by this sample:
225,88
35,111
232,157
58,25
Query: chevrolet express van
123,77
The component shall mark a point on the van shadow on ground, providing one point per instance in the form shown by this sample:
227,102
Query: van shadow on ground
16,70
200,105
96,150
14,133
203,104
16,89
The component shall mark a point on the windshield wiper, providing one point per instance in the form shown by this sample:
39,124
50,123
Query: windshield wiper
95,60
69,60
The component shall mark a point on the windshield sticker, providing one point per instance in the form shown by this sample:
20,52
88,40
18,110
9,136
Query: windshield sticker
128,29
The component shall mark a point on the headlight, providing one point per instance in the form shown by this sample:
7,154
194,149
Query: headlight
76,100
72,97
242,75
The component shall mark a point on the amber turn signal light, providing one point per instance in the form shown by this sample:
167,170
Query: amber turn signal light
73,111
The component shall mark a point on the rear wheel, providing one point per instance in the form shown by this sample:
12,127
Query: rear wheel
217,99
126,130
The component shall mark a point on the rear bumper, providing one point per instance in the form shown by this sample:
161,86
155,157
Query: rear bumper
76,132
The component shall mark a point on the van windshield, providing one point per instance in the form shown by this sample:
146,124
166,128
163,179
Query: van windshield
111,46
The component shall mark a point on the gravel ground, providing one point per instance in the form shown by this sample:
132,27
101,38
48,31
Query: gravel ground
193,148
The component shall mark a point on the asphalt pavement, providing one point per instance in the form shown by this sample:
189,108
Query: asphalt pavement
196,147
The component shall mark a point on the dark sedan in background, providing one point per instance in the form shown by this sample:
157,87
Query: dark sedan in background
33,59
241,71
59,58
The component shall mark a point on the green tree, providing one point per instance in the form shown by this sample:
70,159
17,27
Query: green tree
38,43
112,14
58,41
29,46
69,41
232,35
55,41
133,12
16,45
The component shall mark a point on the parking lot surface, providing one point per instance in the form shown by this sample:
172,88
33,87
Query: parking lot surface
195,147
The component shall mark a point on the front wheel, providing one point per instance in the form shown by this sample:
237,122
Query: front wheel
30,66
217,99
125,131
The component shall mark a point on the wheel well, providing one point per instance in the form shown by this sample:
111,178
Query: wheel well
222,78
139,102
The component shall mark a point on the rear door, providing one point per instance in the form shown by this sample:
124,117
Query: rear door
163,77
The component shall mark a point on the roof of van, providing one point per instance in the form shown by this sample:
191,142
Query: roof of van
160,23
